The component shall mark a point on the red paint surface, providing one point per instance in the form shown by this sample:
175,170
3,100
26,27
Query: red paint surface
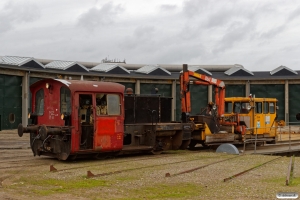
106,137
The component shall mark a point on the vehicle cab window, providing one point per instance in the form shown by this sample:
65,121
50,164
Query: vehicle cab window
241,107
107,104
65,100
228,107
258,107
266,107
272,107
39,102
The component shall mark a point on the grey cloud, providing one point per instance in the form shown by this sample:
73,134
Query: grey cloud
142,36
14,13
193,8
181,53
273,32
144,31
236,33
168,7
94,17
295,14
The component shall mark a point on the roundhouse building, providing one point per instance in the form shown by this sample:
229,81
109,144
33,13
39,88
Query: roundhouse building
18,73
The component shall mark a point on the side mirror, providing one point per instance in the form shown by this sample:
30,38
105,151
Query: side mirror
249,107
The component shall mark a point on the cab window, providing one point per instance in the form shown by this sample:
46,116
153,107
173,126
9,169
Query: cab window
266,107
228,107
272,107
107,104
236,107
258,107
65,100
39,102
241,107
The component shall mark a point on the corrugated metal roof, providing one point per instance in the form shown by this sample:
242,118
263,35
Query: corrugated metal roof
106,67
278,69
19,61
150,68
196,68
235,69
63,65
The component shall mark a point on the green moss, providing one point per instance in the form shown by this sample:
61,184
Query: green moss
280,180
51,186
295,181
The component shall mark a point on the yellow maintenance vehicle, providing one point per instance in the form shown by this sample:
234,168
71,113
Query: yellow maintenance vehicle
228,120
244,118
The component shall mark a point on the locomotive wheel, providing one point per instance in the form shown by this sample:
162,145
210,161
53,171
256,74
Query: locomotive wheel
156,152
62,156
185,144
203,144
192,144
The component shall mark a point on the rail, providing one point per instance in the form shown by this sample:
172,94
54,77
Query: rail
291,128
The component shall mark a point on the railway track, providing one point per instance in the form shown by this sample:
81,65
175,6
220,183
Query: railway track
123,159
229,177
250,169
196,168
90,174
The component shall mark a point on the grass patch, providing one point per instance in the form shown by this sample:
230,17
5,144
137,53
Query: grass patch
164,191
295,181
280,180
51,186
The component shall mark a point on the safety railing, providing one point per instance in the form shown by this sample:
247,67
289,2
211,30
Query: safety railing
284,135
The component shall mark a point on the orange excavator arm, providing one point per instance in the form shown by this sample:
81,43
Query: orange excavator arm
201,80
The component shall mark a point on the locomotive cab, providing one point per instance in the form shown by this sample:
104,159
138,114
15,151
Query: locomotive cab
69,118
257,115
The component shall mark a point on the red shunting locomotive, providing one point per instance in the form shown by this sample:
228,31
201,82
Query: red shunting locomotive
71,118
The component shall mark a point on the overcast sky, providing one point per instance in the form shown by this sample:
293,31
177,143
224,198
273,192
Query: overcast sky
261,35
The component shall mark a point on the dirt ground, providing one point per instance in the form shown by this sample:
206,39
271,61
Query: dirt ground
192,175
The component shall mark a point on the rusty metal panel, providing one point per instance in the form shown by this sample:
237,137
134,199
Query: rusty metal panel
219,137
165,110
129,109
147,109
